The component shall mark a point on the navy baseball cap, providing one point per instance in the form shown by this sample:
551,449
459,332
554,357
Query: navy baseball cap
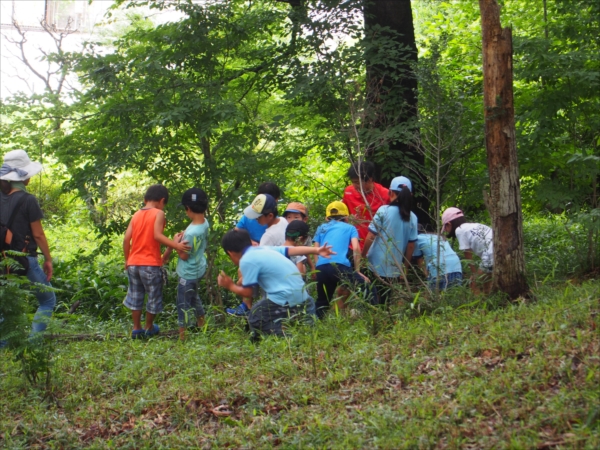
194,196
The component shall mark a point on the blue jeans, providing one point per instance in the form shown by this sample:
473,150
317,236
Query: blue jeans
267,317
189,304
46,300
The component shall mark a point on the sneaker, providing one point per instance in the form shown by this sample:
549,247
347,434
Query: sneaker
153,331
138,334
241,310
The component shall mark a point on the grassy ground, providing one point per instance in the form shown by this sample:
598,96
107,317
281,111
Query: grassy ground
468,374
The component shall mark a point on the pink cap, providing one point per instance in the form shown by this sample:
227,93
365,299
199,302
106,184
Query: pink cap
451,214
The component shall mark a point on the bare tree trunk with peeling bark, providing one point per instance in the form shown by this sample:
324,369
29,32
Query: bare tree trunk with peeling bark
505,195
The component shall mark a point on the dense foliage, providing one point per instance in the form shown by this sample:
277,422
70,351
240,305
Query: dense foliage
239,92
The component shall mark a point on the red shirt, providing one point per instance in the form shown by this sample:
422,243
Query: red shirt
361,212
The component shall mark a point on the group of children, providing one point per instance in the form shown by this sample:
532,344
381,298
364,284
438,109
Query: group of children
273,253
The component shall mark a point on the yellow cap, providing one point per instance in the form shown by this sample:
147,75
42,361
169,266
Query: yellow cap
337,209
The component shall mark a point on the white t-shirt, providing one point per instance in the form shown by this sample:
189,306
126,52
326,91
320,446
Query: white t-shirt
478,238
275,234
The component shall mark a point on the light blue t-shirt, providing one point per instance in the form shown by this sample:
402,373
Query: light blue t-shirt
426,247
392,236
338,235
194,267
255,229
270,268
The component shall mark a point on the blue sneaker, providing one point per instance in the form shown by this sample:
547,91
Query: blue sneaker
153,331
138,334
241,310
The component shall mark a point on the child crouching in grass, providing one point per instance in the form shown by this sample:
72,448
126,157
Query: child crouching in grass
331,272
270,269
191,265
442,272
473,239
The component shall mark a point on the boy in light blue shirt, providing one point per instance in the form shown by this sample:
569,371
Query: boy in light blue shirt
271,269
191,266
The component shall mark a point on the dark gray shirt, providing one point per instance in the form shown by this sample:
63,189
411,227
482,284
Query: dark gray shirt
29,211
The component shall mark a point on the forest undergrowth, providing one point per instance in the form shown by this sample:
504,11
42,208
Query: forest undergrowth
475,375
459,372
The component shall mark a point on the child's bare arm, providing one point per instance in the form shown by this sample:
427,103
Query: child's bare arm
422,265
410,249
324,250
357,258
301,267
127,243
182,255
368,242
226,282
159,225
469,255
177,239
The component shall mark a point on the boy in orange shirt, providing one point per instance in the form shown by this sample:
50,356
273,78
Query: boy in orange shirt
143,261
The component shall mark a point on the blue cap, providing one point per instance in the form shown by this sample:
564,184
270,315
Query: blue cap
398,182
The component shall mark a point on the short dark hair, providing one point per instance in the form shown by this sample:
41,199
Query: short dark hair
275,213
269,188
156,193
5,187
236,241
198,207
338,217
365,170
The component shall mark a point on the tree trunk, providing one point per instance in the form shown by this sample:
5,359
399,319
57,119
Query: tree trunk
505,196
386,85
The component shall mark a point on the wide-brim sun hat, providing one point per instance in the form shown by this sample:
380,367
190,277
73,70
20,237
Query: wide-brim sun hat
18,167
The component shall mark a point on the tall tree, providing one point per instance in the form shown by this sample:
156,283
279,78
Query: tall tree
505,196
392,95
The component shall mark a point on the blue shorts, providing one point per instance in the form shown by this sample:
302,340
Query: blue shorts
447,280
144,280
189,305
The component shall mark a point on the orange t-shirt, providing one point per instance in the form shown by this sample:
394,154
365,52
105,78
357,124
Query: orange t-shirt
145,250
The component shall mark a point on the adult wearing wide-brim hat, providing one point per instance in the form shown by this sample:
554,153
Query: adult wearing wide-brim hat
27,232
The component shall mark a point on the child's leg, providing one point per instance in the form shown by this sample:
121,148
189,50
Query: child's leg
266,317
137,319
327,281
486,281
149,320
196,304
343,293
151,277
481,282
134,300
358,282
